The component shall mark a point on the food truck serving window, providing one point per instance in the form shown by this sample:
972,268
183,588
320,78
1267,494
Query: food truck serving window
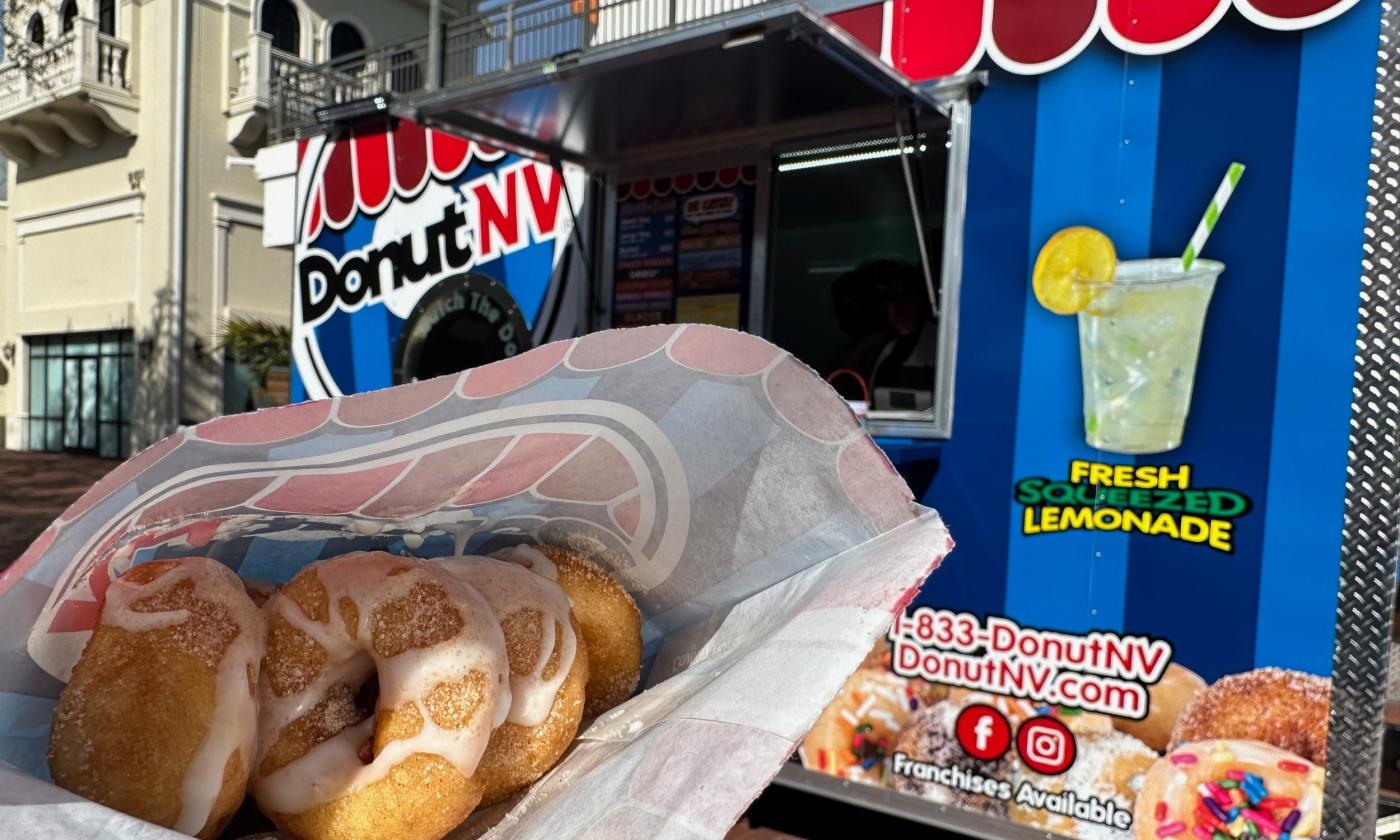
843,250
847,292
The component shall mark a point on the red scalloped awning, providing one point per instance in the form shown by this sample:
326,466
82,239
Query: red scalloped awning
360,174
687,182
929,38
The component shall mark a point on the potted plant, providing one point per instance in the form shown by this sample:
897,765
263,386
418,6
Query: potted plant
266,349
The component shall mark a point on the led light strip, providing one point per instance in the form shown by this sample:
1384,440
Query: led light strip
847,147
837,160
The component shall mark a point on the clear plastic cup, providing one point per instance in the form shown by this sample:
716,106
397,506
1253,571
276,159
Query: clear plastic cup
1139,338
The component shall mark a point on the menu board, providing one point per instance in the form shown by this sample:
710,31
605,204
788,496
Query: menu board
682,255
644,285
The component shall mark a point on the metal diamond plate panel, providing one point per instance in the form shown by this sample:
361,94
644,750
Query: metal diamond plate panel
1364,604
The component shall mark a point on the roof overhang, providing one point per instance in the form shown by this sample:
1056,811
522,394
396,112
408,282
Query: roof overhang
776,72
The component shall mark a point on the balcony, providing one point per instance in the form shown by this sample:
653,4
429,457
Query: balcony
256,68
75,91
517,37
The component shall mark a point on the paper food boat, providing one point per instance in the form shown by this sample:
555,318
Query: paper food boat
766,539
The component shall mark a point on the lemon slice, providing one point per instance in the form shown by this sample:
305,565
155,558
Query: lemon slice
1072,258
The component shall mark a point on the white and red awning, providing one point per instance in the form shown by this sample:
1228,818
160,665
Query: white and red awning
359,174
930,38
687,182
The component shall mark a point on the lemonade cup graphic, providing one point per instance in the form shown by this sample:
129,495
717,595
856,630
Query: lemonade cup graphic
1139,339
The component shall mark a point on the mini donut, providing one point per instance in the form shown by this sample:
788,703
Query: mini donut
930,737
548,673
1285,708
854,734
336,761
1225,784
607,617
1110,766
1167,698
160,716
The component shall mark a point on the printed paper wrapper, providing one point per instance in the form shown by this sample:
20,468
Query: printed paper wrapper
766,539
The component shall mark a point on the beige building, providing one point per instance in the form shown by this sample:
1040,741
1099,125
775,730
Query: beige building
133,220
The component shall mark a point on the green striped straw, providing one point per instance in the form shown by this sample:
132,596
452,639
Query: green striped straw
1217,204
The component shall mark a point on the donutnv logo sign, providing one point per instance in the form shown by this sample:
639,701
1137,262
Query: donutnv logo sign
389,214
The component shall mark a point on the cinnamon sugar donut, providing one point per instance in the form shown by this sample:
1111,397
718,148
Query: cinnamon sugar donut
607,617
1285,708
336,762
159,718
548,672
1219,787
1166,700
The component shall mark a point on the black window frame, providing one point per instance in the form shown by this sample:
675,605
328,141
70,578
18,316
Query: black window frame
68,16
343,26
107,17
46,430
282,20
34,30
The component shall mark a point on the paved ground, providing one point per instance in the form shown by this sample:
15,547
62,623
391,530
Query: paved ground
37,486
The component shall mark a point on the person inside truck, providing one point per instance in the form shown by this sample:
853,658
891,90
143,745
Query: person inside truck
883,308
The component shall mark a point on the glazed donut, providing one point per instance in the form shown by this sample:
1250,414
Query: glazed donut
1223,785
333,761
159,718
1285,708
1166,700
854,735
1110,766
607,618
548,672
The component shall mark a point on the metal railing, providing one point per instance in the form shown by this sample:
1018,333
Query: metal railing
514,36
84,56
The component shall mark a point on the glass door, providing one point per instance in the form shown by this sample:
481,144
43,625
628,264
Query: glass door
80,393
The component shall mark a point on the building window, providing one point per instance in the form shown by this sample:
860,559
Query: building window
81,388
107,17
345,39
279,19
69,15
36,29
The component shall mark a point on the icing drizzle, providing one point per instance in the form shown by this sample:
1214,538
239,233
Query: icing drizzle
510,587
333,768
233,723
531,558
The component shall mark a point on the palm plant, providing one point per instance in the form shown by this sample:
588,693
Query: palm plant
259,344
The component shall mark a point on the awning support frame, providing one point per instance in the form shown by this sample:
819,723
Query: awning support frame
916,206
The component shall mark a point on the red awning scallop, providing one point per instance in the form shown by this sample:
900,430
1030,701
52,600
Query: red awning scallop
687,181
931,38
361,173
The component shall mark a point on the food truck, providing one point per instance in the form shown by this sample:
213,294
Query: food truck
1169,609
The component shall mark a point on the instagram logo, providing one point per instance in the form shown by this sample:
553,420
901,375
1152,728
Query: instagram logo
1046,746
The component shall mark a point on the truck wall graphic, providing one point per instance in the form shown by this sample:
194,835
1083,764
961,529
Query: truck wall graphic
386,214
